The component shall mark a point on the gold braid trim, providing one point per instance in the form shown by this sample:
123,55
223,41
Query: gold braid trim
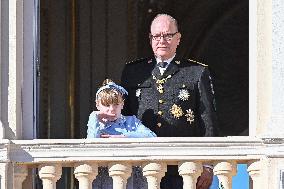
197,62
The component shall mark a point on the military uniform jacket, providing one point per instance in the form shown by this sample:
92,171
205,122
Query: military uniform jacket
179,103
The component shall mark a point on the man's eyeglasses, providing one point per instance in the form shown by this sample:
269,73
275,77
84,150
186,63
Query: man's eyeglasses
166,36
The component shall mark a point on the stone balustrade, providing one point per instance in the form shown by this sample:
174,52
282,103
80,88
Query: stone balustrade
152,154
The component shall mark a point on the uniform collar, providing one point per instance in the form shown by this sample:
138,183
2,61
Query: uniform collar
168,60
172,68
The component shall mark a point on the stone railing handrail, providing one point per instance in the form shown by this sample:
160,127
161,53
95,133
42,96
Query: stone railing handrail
215,148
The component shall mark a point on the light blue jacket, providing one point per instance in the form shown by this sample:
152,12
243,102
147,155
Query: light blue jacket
129,126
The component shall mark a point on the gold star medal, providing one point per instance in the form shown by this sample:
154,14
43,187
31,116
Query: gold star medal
176,111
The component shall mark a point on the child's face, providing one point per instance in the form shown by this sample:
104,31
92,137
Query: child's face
112,111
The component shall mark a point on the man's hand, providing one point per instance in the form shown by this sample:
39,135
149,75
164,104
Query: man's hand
205,179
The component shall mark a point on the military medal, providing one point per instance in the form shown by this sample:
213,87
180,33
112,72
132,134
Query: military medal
160,88
189,116
176,111
183,94
161,82
177,62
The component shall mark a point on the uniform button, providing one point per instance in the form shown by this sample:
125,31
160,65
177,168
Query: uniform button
159,124
161,101
160,112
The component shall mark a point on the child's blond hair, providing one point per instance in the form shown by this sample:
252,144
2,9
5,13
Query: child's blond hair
109,95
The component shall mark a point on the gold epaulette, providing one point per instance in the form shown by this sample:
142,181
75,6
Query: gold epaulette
135,61
197,62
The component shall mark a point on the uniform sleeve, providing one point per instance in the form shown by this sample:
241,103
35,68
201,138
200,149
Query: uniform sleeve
93,126
140,130
207,110
124,83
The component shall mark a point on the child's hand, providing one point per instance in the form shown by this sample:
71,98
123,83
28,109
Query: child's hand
112,136
103,117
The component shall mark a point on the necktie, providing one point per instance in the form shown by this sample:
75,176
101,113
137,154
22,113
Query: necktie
162,64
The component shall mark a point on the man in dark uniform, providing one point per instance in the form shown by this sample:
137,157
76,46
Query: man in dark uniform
171,95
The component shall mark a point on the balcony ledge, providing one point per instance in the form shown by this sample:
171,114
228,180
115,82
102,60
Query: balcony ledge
137,150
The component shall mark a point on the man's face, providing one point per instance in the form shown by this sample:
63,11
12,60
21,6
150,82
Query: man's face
164,37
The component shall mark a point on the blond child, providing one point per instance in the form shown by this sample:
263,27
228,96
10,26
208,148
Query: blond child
108,121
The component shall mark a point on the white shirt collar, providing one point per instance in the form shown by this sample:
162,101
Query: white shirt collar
168,60
162,70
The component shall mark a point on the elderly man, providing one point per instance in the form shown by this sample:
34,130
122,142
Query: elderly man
173,96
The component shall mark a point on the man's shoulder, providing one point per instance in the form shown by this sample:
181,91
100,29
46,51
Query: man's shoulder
141,65
138,61
136,71
195,62
192,66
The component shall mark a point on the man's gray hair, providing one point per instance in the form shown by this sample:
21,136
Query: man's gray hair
167,15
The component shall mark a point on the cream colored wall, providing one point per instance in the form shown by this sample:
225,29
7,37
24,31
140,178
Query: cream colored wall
16,69
11,68
1,125
264,64
273,169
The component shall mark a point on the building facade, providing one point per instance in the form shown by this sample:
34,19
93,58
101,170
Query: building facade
24,156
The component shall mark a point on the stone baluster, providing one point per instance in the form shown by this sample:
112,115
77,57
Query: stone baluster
154,172
20,174
3,175
190,171
254,172
85,174
119,173
49,174
225,171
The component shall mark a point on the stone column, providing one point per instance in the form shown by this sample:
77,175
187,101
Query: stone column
15,69
49,174
3,175
154,172
119,173
85,174
20,174
264,69
2,129
254,172
6,175
225,171
190,171
275,13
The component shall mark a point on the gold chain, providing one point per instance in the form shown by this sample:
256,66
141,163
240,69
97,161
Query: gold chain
161,82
